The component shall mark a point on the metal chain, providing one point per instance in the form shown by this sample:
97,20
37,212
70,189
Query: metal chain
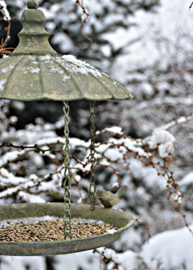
67,175
92,189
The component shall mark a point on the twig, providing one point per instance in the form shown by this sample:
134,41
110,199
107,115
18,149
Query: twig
141,222
139,149
84,20
5,12
108,259
181,120
86,37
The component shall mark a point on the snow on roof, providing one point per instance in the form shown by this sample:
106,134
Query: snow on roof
2,82
78,66
72,64
5,70
65,78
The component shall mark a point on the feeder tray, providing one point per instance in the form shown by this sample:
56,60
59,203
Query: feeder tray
117,218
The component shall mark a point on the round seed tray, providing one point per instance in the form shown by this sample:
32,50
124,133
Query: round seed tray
117,218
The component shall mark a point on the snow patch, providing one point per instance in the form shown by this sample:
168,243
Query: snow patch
64,42
186,180
173,249
115,185
76,66
45,58
120,38
115,129
5,70
111,231
3,7
164,140
56,70
5,56
65,78
2,82
29,198
31,69
34,70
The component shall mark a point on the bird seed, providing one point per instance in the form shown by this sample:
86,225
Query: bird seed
52,230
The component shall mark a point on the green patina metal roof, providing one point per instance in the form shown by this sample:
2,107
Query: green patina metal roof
34,71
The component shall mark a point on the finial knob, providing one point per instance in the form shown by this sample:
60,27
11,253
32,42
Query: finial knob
32,4
33,38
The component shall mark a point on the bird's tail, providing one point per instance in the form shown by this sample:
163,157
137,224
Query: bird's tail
121,190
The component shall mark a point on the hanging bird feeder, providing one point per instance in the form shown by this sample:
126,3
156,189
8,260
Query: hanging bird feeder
35,72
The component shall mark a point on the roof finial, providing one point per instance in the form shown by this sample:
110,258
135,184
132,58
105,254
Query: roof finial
33,38
32,4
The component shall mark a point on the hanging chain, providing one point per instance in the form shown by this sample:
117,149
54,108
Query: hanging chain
92,189
67,175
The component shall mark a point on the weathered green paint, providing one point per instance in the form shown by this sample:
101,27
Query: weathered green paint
108,199
33,39
32,4
31,77
117,218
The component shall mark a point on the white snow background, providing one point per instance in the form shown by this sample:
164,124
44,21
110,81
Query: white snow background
173,17
174,249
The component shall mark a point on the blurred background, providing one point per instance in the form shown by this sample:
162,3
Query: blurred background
146,45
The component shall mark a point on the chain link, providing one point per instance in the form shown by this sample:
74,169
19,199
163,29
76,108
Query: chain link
67,175
92,189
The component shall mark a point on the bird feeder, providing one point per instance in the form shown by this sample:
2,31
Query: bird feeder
34,71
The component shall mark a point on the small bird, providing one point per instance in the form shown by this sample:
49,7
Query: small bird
108,199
